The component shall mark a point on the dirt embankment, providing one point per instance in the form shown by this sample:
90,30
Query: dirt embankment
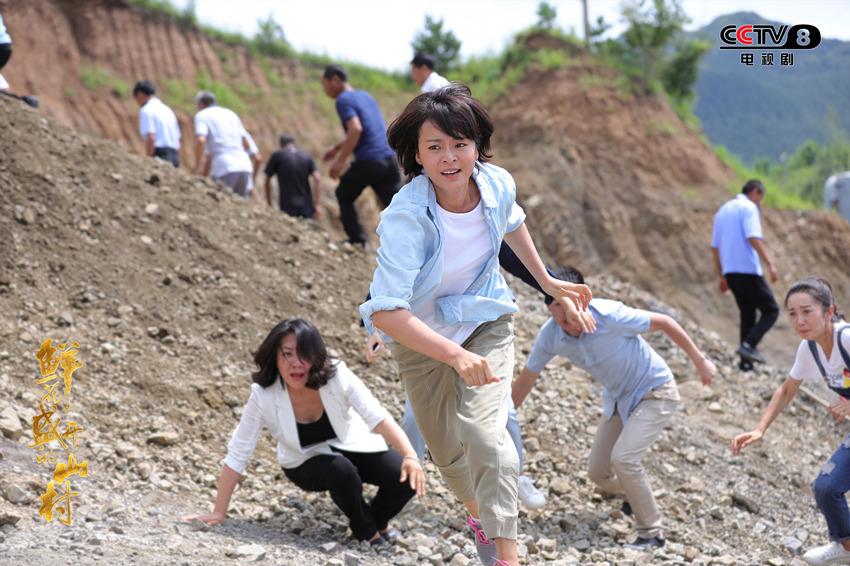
618,184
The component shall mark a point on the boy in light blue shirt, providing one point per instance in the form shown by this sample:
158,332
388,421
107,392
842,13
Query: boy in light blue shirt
639,393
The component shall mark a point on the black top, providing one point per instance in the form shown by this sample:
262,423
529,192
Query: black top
313,433
293,168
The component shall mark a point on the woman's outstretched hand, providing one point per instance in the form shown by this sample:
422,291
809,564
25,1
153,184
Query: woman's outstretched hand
582,319
578,294
743,440
211,519
411,471
840,410
706,370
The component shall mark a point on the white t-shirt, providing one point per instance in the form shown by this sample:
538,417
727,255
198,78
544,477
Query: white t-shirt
837,373
433,82
3,84
158,119
224,132
467,246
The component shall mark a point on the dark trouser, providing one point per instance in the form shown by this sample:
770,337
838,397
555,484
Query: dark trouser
753,294
168,154
344,473
829,488
384,179
5,53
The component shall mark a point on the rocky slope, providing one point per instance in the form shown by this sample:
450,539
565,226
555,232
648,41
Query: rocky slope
168,284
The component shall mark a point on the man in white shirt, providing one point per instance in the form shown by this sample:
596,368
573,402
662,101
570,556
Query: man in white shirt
221,145
836,194
157,124
423,73
737,245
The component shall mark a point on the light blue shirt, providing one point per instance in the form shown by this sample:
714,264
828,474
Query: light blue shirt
4,34
158,119
615,355
734,222
410,256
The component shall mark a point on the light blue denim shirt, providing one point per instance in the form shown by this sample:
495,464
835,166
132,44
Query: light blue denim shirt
615,355
411,252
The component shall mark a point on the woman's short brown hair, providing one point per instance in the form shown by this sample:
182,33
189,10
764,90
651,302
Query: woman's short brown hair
309,346
453,110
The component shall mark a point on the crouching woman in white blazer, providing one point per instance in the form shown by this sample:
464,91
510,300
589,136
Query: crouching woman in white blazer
321,415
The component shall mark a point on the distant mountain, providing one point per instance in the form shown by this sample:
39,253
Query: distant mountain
765,111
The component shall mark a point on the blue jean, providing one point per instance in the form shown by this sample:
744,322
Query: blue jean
829,487
408,424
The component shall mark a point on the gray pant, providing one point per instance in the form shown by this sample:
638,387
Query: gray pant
464,426
238,182
408,424
615,458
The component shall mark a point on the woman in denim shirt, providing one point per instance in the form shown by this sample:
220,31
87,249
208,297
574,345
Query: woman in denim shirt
438,294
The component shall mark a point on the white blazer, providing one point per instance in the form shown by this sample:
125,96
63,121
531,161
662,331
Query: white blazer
351,408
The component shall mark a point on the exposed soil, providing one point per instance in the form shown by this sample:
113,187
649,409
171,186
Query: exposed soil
169,284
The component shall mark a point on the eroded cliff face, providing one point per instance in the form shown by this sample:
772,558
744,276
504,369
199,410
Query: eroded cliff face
64,47
618,184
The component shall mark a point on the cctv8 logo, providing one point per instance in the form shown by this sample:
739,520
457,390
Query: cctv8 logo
802,36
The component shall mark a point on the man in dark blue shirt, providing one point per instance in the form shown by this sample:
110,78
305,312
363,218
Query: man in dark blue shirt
365,136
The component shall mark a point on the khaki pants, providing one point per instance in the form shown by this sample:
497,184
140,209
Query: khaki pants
464,427
615,458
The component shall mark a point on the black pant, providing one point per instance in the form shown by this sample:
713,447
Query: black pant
5,53
752,293
381,175
169,154
344,473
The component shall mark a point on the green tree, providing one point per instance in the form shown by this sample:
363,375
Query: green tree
270,39
651,29
679,74
598,29
442,44
546,14
188,16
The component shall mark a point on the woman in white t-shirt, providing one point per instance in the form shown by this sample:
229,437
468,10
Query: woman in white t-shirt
824,354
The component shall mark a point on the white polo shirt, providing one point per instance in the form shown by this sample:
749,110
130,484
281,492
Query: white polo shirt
158,119
736,222
433,82
224,132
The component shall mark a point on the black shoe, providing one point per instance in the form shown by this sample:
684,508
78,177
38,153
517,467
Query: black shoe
627,509
750,354
745,365
647,544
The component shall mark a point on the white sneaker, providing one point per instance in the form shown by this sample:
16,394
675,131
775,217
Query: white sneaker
530,496
832,553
